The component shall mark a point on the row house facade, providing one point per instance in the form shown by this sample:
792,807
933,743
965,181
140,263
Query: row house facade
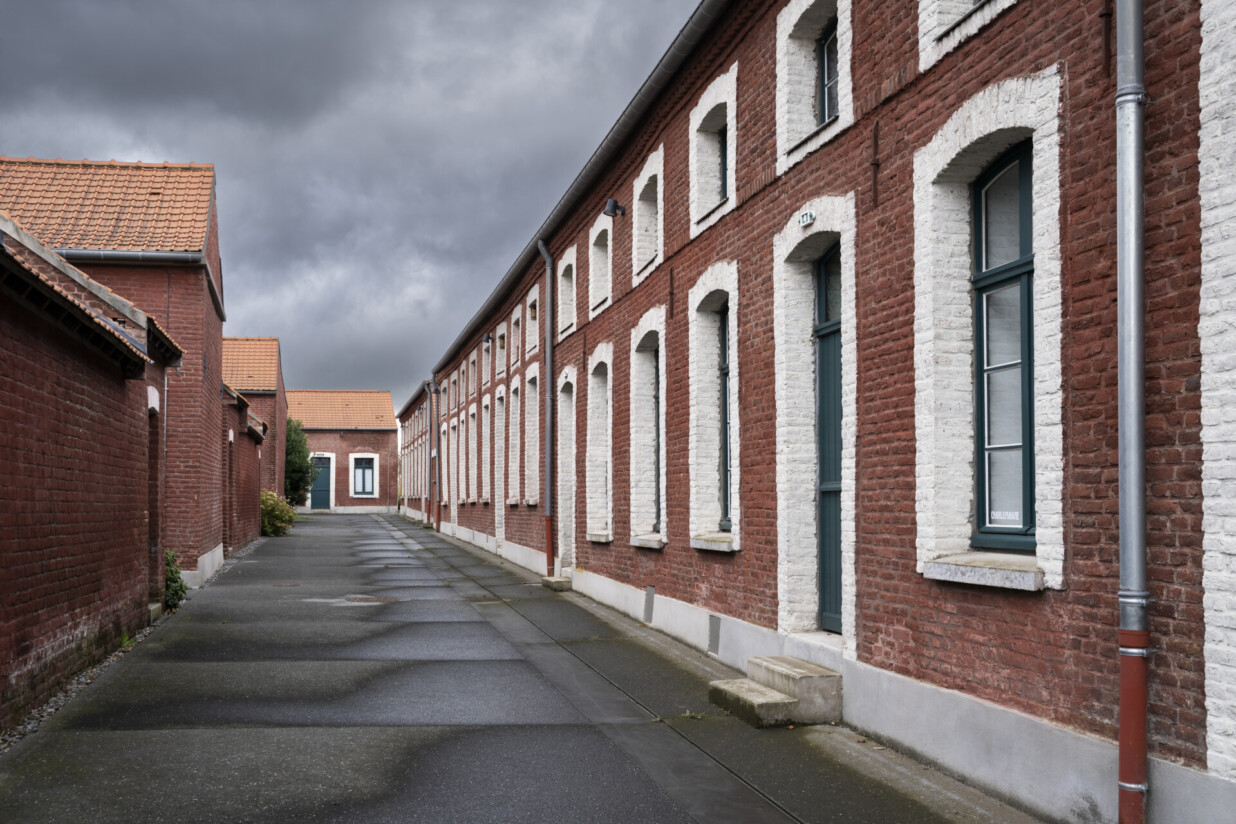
254,368
354,444
818,357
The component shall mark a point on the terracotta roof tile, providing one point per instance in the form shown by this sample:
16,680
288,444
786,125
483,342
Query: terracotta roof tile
251,364
341,409
84,204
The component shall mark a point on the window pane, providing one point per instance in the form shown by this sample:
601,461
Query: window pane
832,288
1004,488
1003,319
1004,407
830,78
1002,219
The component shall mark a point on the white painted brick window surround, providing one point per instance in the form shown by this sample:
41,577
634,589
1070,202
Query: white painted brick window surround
532,434
943,25
566,467
1217,159
501,347
600,265
983,127
795,250
486,438
714,116
473,475
568,318
647,430
599,456
514,453
515,341
648,202
444,453
533,304
453,468
715,288
487,362
499,463
799,26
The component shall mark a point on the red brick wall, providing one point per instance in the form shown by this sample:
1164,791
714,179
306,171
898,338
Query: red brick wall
350,441
1051,654
273,409
73,529
242,478
193,476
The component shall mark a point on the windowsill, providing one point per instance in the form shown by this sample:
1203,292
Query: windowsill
723,202
472,500
813,134
598,309
645,270
485,500
1003,570
600,537
512,501
650,541
960,20
530,501
714,542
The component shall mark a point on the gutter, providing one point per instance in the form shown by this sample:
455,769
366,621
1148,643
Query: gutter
141,258
690,36
1134,634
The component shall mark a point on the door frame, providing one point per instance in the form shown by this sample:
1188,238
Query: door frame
331,457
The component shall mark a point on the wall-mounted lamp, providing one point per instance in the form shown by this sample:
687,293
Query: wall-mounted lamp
612,208
488,338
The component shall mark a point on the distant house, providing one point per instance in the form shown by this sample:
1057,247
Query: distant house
149,232
244,434
353,440
82,377
253,367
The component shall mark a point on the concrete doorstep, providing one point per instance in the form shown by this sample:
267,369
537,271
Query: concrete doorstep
781,690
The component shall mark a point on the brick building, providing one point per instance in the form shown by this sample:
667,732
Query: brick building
354,441
149,232
244,435
254,367
817,357
82,397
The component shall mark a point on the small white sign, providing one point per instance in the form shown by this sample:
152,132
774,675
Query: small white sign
806,218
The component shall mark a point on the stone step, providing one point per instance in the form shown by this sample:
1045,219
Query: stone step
816,689
754,703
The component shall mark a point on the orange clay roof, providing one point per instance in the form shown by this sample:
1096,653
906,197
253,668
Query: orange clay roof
84,204
341,409
251,364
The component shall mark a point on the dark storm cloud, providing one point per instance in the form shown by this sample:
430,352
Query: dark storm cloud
380,164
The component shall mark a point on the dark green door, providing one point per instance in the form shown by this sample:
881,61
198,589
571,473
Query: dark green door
828,428
320,497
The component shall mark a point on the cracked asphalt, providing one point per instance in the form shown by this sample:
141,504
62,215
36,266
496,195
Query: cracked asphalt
364,669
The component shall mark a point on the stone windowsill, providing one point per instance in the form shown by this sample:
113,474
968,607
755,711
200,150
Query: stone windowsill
712,211
530,501
512,501
651,541
1004,570
472,500
600,537
485,501
714,542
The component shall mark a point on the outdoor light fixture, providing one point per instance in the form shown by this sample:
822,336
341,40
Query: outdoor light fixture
612,208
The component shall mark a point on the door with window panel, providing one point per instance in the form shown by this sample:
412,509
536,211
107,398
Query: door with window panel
828,434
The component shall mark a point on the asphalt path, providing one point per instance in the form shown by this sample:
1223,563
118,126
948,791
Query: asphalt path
364,669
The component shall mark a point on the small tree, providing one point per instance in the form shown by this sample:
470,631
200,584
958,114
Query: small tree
299,473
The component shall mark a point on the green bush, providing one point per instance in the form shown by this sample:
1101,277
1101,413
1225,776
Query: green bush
277,515
174,586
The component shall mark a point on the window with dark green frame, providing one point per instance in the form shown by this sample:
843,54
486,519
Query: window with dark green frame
723,377
1004,346
723,146
363,480
826,62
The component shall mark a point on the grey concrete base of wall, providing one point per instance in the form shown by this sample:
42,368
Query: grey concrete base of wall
1051,770
207,565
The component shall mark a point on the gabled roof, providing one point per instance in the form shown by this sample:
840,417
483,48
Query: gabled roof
341,409
83,204
251,364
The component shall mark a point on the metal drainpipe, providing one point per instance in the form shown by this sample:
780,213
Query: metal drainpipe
547,381
1134,635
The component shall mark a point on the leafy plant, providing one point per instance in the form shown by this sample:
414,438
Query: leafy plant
174,586
299,473
277,515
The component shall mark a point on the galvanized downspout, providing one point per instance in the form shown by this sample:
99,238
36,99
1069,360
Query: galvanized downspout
547,382
1134,635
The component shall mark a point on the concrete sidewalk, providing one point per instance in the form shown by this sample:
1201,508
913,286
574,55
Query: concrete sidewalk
364,669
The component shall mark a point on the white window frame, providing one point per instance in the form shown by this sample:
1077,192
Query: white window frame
515,341
705,418
983,127
487,362
648,218
514,444
943,25
642,435
705,208
600,295
532,327
502,348
532,434
568,300
486,449
599,451
473,481
352,456
799,26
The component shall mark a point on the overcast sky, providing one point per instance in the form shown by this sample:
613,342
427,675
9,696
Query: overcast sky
379,165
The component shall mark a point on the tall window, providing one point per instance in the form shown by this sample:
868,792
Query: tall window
826,60
473,476
362,476
712,148
516,342
486,363
600,263
723,384
1003,273
600,456
486,437
647,431
532,437
566,292
515,452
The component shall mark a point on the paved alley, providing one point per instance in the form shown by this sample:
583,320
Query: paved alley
363,669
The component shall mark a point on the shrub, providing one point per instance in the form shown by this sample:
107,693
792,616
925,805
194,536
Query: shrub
298,469
174,586
277,515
